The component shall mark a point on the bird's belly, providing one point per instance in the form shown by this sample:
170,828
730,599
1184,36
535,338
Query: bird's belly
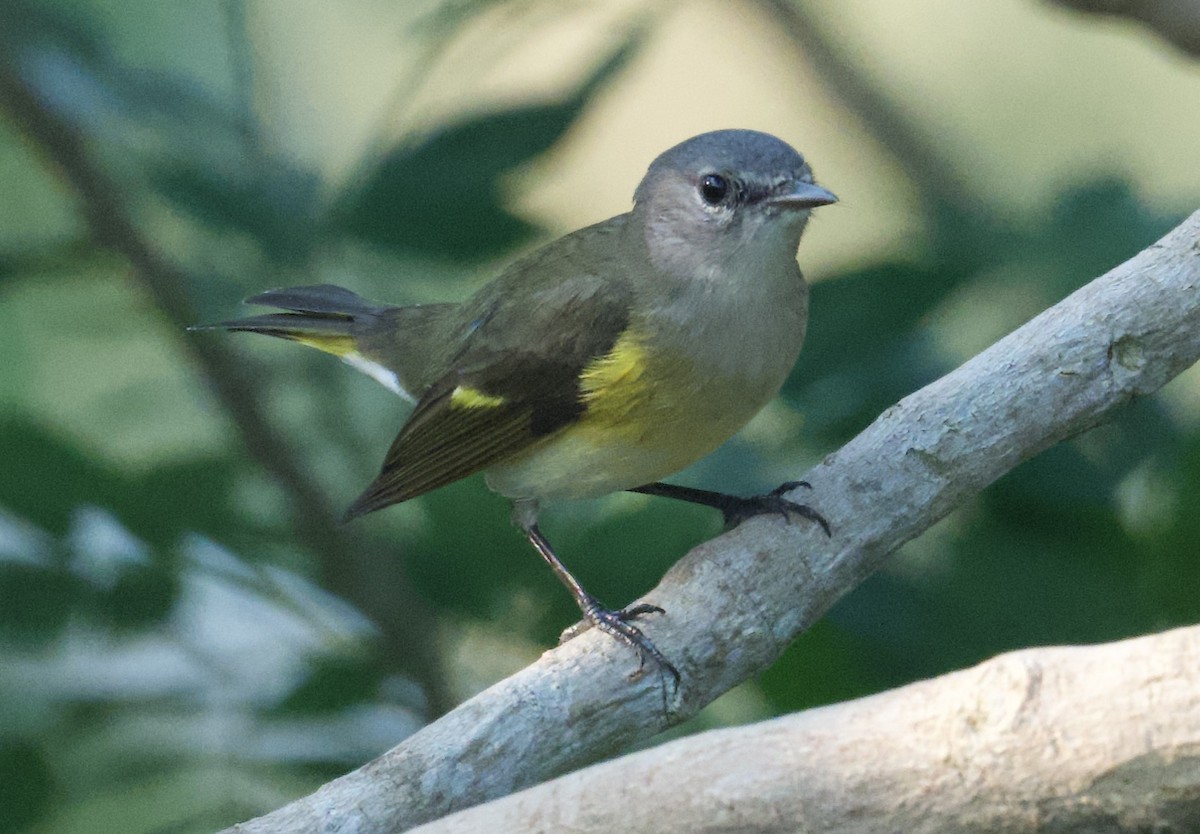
586,463
645,420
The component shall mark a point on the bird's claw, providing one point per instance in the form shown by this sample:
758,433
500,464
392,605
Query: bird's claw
773,502
618,625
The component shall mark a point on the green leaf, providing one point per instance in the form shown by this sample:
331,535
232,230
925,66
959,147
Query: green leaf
36,602
332,683
274,206
858,316
825,665
26,785
441,197
47,477
866,346
471,557
1095,226
139,598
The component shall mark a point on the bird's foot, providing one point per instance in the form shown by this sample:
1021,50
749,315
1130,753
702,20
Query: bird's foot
618,625
737,509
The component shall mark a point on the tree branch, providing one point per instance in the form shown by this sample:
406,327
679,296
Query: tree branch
1094,738
734,603
1176,21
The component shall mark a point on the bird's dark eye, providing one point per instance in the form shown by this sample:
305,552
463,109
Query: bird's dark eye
713,188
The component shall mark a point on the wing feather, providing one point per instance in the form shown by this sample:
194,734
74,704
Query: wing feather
450,444
513,401
515,379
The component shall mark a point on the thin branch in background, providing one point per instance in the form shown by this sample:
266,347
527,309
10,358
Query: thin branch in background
420,67
407,626
735,603
1176,21
241,65
931,173
72,255
335,416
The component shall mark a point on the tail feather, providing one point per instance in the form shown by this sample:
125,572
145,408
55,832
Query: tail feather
328,332
398,346
323,316
323,299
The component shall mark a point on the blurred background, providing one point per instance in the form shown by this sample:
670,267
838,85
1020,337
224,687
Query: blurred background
187,636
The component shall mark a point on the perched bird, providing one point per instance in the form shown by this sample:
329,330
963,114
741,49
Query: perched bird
604,361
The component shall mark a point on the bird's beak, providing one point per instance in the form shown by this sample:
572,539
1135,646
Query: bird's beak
803,195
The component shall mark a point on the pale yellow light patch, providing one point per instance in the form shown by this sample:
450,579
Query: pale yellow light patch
463,397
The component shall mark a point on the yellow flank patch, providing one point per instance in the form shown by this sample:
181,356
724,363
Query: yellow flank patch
337,344
616,386
462,397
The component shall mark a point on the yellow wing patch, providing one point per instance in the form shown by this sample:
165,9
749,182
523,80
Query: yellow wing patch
463,397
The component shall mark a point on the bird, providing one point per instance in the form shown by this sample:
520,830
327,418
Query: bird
604,361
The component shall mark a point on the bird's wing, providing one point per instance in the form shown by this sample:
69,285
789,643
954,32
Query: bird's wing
515,382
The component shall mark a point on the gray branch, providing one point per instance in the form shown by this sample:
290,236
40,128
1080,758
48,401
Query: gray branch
734,603
1086,739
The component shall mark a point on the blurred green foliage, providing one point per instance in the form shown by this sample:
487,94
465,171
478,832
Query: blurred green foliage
464,216
166,662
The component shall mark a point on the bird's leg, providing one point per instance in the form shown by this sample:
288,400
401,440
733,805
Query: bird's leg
614,623
737,509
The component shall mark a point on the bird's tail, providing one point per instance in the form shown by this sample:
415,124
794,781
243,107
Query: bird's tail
323,316
398,347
